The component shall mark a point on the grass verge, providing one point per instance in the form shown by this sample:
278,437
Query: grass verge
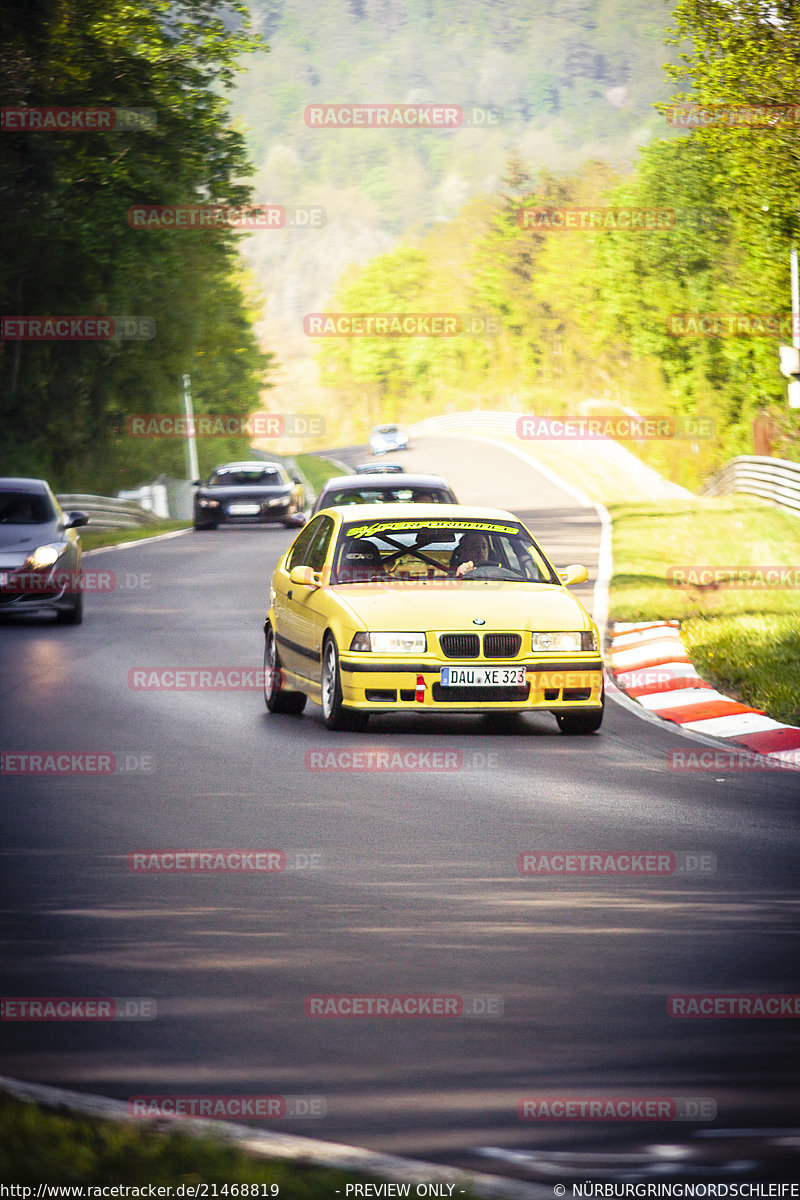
93,539
38,1146
744,640
317,470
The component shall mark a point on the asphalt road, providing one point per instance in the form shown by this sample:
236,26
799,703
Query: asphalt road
415,888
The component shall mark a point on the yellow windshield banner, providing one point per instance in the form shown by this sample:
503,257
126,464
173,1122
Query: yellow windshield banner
359,531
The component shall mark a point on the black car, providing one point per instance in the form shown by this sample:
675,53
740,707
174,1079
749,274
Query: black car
40,552
385,489
249,493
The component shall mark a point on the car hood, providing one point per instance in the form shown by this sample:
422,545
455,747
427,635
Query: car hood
444,606
18,540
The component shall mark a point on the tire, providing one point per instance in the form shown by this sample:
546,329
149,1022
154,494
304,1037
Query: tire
276,698
71,616
336,716
588,721
201,528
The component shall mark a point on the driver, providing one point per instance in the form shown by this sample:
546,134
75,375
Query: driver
473,551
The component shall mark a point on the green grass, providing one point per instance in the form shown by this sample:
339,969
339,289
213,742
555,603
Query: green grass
92,539
38,1146
746,641
317,470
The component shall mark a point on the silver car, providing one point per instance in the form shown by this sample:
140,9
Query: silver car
40,553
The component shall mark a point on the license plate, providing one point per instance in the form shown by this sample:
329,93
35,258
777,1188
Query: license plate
244,510
483,677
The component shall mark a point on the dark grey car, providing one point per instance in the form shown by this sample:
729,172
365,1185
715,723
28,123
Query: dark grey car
249,493
385,489
40,553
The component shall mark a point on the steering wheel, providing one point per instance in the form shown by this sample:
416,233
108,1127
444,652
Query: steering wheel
490,571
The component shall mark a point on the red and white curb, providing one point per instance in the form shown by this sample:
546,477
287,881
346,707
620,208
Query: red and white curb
651,665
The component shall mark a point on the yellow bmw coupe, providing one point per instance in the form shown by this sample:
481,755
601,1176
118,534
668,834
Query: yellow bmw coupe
428,608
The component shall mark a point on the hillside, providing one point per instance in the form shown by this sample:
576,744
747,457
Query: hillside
561,83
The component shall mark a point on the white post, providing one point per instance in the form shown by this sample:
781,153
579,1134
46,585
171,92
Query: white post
191,443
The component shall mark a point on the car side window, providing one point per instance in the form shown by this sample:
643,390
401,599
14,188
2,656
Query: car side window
298,556
318,550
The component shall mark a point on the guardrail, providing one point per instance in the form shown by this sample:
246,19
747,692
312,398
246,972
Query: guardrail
106,512
486,423
774,479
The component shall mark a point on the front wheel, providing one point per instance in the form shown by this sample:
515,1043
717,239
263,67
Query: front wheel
335,714
276,698
71,616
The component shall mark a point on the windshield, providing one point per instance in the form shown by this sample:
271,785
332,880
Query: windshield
25,508
467,550
392,493
244,477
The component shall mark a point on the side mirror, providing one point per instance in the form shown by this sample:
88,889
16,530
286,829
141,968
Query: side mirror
74,519
304,577
572,574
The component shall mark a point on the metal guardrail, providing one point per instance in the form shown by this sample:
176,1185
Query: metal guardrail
106,512
486,423
774,479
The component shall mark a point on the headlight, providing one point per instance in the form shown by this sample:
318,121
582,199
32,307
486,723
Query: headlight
559,642
390,643
44,556
209,503
277,501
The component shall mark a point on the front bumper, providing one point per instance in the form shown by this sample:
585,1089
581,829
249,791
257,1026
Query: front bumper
31,592
266,514
373,683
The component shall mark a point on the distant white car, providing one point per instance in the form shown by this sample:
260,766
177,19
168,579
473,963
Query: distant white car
387,437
